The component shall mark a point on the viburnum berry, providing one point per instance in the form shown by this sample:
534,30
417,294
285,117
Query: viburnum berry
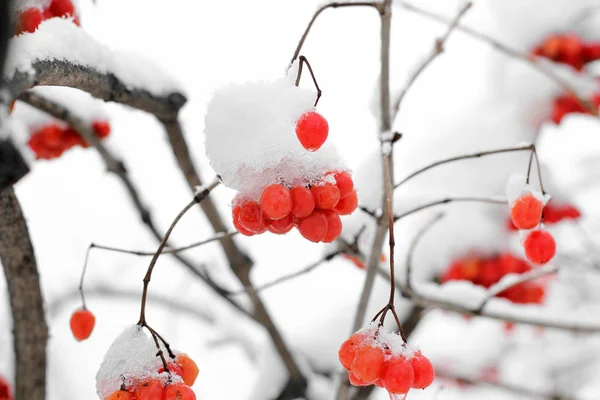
62,8
251,217
150,390
235,214
398,375
539,246
526,211
174,369
326,195
334,226
343,181
5,393
189,367
281,226
118,395
82,323
348,204
101,128
304,202
276,201
354,381
312,130
30,19
179,392
368,363
423,371
348,349
313,227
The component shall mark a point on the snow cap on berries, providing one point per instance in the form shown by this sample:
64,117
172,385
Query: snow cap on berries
251,140
517,186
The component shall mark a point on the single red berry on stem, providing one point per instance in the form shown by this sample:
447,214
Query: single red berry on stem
348,204
312,130
30,19
334,226
251,217
179,392
423,371
313,227
540,247
526,211
343,181
189,368
101,128
304,202
326,196
82,323
368,363
276,201
398,375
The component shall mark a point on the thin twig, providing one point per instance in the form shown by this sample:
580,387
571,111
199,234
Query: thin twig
413,246
528,147
533,61
438,49
303,61
490,200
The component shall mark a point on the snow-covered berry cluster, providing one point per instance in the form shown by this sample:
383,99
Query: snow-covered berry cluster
257,137
486,271
568,49
32,13
383,359
5,392
526,211
132,371
52,140
82,323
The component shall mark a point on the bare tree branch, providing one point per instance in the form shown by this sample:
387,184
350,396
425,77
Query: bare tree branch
29,325
490,200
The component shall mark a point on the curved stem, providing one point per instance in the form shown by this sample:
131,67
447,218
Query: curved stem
491,200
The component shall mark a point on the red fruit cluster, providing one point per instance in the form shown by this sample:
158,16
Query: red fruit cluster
52,140
568,49
487,271
315,211
312,130
553,214
568,103
5,393
82,323
31,18
153,389
367,364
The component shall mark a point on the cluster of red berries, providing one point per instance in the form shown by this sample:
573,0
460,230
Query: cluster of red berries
569,103
568,49
312,130
82,323
487,271
52,140
370,360
31,18
553,214
5,393
153,389
315,211
526,213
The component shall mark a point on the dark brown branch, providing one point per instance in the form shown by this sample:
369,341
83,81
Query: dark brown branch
303,61
464,157
490,200
29,325
438,49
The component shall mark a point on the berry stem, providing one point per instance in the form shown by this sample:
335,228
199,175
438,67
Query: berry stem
85,264
302,61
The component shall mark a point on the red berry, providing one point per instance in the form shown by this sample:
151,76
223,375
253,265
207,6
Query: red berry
313,227
118,395
30,19
304,202
101,128
343,181
540,247
5,393
235,214
189,368
53,135
348,350
348,204
251,217
326,196
276,201
61,8
423,371
151,390
355,260
354,381
398,375
334,226
368,363
526,211
312,130
281,226
174,369
179,392
82,323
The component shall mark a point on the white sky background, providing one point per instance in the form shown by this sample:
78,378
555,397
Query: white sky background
454,108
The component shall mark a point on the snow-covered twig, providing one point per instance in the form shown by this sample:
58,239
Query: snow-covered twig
529,147
438,49
30,330
491,200
533,61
